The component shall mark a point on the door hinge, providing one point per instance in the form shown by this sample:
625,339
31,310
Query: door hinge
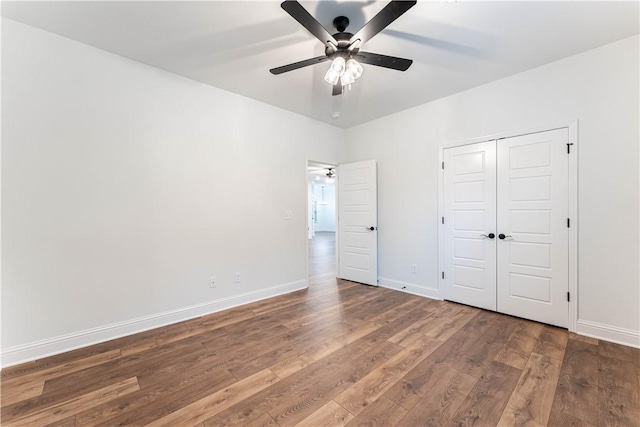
568,296
568,222
442,165
443,274
569,144
443,220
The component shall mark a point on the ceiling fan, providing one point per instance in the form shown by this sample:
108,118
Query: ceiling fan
343,48
318,172
330,175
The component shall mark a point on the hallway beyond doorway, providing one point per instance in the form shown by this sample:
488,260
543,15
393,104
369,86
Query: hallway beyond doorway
322,254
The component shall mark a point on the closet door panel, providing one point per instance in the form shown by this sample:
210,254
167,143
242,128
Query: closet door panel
532,211
470,212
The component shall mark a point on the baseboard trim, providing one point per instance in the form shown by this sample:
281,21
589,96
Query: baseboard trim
409,288
614,334
49,347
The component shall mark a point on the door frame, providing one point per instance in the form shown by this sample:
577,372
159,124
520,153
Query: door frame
306,221
572,128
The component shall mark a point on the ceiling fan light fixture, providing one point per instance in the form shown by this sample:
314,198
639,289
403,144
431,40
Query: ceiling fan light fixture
338,65
336,70
352,71
347,79
331,77
354,68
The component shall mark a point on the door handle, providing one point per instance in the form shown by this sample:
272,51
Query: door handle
490,235
502,236
370,228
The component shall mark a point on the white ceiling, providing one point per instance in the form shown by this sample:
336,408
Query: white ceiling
232,44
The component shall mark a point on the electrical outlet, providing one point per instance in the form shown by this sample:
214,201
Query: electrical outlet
414,269
213,282
288,214
237,278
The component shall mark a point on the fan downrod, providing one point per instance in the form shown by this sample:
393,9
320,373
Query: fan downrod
341,23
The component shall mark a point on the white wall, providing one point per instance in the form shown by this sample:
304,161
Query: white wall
599,88
124,188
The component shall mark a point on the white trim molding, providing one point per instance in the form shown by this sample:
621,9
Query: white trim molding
49,347
410,288
614,334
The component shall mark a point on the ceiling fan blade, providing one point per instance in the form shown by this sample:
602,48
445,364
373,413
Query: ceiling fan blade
337,88
300,14
385,61
386,16
296,65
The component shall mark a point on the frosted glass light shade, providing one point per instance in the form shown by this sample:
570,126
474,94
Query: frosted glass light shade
338,65
335,71
347,79
331,77
354,68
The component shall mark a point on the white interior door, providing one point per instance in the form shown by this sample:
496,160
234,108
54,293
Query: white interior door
469,256
358,222
533,205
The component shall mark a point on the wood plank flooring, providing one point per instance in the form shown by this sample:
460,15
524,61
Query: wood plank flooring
322,253
338,353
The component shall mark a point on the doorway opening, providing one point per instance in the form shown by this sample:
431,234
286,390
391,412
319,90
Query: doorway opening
321,219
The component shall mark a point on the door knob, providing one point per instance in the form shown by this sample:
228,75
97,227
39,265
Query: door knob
370,228
490,235
502,236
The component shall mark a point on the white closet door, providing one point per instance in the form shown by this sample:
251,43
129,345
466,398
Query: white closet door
533,273
470,211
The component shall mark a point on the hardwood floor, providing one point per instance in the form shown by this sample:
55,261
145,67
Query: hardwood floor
337,353
322,253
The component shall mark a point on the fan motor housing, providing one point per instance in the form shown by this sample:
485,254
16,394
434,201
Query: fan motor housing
341,23
343,40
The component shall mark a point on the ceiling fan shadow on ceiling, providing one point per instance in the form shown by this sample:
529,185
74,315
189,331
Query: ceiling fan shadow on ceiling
448,46
343,48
